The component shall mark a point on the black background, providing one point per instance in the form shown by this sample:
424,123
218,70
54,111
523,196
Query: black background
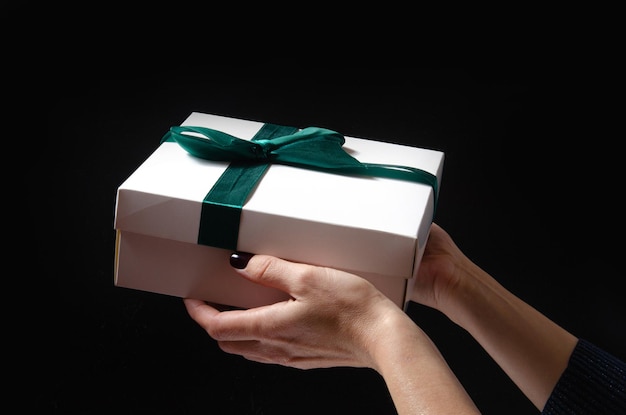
531,191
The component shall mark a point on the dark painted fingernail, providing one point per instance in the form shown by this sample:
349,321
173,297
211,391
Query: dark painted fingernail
240,260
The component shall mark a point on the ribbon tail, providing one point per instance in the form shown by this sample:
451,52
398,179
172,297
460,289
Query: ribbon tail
407,173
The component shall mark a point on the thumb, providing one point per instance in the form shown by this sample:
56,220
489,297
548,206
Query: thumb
271,271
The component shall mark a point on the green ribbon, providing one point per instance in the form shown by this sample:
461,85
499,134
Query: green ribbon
312,148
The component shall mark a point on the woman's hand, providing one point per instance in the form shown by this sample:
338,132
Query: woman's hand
445,275
332,318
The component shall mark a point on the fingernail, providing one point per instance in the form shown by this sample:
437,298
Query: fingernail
240,260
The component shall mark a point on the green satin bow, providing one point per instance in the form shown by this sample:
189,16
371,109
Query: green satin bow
311,148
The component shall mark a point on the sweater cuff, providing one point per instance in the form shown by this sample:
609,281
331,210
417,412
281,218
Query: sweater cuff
593,383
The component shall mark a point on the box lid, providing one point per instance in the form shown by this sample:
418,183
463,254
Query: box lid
355,223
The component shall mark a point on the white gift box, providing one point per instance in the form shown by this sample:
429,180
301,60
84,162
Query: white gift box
374,227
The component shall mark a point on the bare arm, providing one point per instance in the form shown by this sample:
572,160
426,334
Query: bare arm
530,348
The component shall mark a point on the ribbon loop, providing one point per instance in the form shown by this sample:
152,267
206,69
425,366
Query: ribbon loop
212,144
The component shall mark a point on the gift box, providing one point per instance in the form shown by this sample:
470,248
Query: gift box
216,185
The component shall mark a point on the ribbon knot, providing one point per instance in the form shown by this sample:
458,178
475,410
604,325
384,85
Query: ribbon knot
262,149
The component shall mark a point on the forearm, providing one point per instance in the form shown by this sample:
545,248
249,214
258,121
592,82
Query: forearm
418,377
529,347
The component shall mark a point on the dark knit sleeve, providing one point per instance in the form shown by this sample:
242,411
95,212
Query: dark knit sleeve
594,382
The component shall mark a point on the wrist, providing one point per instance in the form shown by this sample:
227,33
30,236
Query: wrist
417,375
472,287
394,336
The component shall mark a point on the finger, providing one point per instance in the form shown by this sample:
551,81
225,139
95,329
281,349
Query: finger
200,311
217,325
236,325
240,325
259,352
281,274
288,354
